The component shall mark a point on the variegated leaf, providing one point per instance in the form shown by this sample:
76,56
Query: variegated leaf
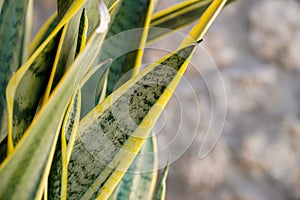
24,172
140,179
112,134
161,189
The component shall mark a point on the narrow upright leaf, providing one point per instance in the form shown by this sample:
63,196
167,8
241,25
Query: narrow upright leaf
12,26
32,79
140,179
112,134
175,17
178,16
204,22
58,175
161,189
24,172
51,23
126,55
87,17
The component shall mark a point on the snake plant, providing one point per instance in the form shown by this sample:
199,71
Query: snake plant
76,112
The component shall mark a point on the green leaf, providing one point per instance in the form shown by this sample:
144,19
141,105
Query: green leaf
27,32
1,4
12,20
78,29
32,79
101,88
24,172
58,175
112,134
176,17
111,3
126,55
93,91
51,23
3,149
140,179
43,33
161,189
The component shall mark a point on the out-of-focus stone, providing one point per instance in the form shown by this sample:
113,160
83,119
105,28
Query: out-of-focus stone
273,156
208,172
250,87
218,46
275,31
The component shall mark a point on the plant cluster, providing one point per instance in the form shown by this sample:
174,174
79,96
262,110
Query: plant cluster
76,112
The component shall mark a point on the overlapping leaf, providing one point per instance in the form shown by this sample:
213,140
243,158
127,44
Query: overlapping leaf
51,23
23,173
32,79
123,48
140,179
162,186
126,55
113,133
176,17
12,30
57,185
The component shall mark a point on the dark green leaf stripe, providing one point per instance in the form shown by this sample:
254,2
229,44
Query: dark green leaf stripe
104,131
12,18
34,82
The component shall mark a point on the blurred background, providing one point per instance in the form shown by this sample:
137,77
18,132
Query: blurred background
255,46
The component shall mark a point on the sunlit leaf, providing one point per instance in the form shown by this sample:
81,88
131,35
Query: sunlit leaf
12,28
31,79
140,179
112,134
59,171
176,17
23,173
51,23
126,55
